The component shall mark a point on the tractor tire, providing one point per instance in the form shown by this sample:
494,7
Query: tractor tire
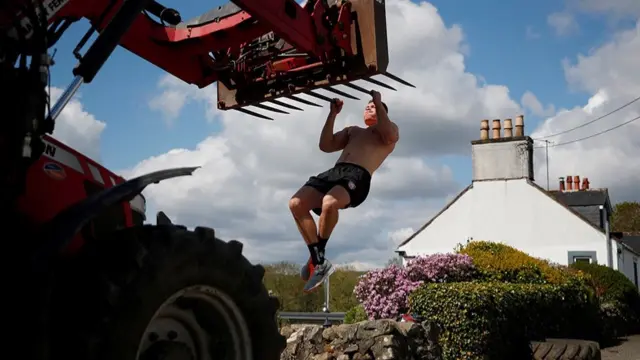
566,349
163,292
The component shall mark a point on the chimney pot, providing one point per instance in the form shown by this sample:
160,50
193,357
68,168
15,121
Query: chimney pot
519,125
561,187
576,182
585,184
484,129
569,183
508,128
496,129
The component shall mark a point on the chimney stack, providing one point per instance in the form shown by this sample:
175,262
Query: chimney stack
561,187
508,128
498,155
569,183
519,125
496,129
576,182
484,130
585,184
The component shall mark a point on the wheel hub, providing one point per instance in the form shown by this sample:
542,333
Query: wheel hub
199,323
168,350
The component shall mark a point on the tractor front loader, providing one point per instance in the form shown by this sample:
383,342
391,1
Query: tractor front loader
84,276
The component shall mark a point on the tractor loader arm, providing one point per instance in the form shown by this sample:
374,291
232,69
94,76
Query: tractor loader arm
257,50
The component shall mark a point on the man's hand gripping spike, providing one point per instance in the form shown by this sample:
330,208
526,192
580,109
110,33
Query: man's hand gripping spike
336,106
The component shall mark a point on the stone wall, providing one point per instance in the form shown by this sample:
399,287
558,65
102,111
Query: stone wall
370,340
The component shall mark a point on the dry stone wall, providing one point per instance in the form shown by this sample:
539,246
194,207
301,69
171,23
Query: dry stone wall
367,340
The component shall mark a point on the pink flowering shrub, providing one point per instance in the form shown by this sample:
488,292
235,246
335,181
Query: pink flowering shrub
384,292
441,268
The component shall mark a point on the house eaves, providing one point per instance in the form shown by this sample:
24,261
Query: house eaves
568,207
436,216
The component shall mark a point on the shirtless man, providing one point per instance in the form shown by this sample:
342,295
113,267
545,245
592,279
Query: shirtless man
343,186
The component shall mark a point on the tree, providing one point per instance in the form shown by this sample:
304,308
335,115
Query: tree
283,280
626,217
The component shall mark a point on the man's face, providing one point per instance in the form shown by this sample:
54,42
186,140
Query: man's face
370,117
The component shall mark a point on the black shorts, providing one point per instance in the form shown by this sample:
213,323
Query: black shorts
354,178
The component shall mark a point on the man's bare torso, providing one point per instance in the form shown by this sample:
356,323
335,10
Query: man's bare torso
365,148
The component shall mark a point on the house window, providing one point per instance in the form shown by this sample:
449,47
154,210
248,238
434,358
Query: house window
588,257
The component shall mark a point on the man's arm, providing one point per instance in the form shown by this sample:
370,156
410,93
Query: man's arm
387,129
330,142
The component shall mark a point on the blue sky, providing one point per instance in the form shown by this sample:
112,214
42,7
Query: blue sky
500,51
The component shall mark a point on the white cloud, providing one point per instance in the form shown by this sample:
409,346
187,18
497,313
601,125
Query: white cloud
563,23
252,167
78,128
176,94
609,160
398,236
530,102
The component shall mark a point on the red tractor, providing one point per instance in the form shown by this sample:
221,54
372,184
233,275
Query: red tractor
88,279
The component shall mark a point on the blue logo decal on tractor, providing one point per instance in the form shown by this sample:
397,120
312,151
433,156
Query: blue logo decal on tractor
54,171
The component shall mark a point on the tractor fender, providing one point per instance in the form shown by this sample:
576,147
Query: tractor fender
60,230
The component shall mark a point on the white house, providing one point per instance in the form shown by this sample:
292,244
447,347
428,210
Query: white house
503,204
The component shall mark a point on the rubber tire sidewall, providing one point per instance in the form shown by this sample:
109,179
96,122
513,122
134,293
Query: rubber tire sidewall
112,290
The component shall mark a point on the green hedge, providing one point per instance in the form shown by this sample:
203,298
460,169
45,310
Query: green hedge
496,320
619,298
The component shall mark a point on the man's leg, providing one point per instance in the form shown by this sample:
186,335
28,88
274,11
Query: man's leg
301,203
337,198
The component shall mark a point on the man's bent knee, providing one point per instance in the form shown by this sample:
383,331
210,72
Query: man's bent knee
297,206
330,203
304,200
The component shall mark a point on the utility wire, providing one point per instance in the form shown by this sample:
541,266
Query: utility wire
590,122
593,135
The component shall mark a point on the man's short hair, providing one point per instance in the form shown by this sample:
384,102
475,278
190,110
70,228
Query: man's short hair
383,104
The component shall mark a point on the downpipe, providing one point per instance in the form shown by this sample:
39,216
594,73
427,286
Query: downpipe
604,216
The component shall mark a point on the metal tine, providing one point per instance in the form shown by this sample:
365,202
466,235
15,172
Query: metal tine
401,81
356,87
249,112
304,101
269,108
379,83
284,104
341,93
319,96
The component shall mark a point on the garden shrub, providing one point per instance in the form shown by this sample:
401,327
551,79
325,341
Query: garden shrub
384,292
619,298
495,320
355,314
500,262
441,268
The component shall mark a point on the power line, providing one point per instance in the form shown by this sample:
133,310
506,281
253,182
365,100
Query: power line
593,135
590,122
